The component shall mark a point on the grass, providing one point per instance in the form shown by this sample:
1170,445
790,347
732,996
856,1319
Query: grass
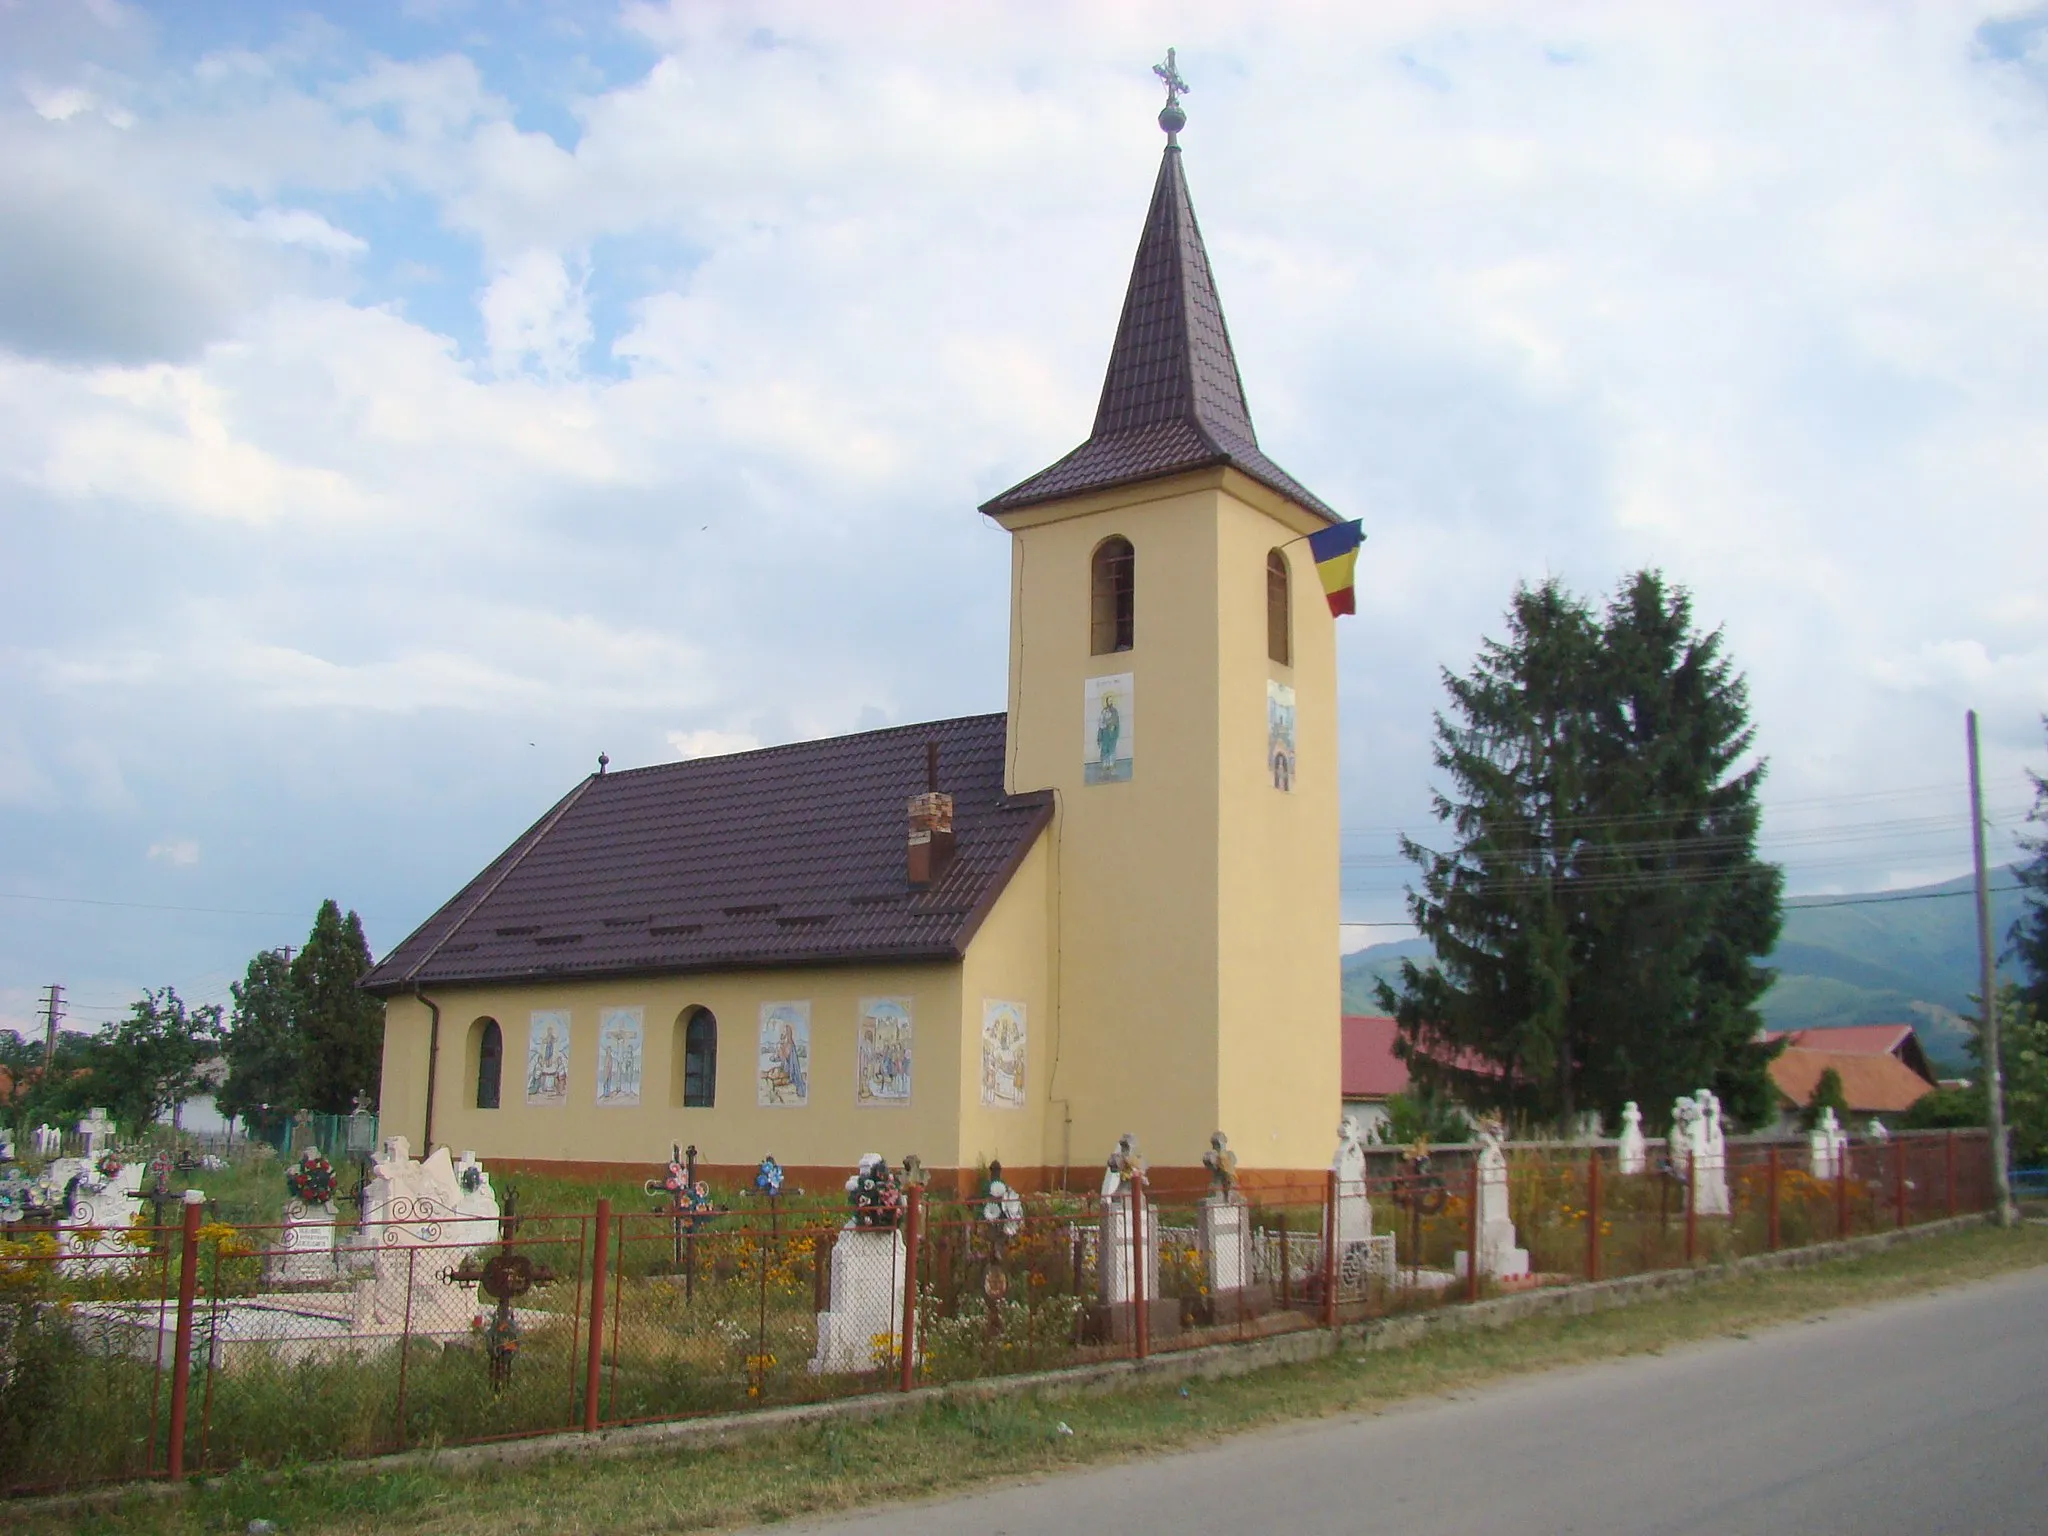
947,1447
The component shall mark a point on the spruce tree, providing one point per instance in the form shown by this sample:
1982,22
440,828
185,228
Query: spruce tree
264,1047
1598,922
341,1029
2029,936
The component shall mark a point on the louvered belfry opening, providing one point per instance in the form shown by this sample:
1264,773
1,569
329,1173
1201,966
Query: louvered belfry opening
1279,615
1112,598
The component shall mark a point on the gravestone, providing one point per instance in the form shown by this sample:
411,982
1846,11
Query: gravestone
862,1329
96,1134
1223,1233
1499,1258
305,1245
1127,1254
1878,1131
1632,1155
1710,1184
99,1211
412,1225
1354,1205
1825,1145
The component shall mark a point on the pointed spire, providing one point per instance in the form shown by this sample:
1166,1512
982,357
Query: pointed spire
1172,399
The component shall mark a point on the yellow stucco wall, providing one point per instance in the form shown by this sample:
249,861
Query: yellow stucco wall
1011,960
830,1130
1196,905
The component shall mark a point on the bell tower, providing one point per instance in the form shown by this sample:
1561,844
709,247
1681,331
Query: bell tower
1173,679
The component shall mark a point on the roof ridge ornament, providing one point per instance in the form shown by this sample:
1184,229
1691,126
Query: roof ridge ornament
1171,117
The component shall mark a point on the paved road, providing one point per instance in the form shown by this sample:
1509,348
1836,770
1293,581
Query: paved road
1921,1417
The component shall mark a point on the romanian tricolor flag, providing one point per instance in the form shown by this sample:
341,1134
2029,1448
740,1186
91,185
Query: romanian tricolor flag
1336,552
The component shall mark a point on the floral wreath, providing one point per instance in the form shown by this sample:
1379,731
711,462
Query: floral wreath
470,1177
768,1177
876,1197
311,1179
108,1165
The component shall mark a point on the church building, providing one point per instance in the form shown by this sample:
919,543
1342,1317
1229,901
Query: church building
1111,908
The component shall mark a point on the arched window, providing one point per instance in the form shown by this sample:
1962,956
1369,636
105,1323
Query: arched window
1279,616
696,1057
1111,588
490,1061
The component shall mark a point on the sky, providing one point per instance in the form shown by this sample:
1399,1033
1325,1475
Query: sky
401,404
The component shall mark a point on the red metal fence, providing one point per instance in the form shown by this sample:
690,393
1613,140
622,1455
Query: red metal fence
156,1351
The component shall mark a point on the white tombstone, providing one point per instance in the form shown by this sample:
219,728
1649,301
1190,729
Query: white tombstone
412,1223
475,1200
1223,1232
47,1141
1710,1183
1498,1255
1878,1131
863,1328
97,1133
1354,1204
1121,1278
1632,1156
1825,1144
6,1145
99,1212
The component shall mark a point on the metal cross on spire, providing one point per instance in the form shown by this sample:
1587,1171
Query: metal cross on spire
1172,118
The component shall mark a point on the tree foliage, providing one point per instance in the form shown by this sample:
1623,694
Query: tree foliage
341,1028
2029,936
150,1063
1598,924
1827,1094
264,1046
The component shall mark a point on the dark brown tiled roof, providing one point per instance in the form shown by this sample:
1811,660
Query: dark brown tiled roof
1172,400
787,856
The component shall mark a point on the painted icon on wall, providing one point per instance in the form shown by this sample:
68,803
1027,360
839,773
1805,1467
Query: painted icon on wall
1108,729
619,1036
782,1075
547,1056
881,1052
1280,733
1002,1054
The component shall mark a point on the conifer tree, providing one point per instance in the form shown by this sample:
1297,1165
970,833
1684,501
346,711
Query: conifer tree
2029,936
264,1047
1598,921
341,1028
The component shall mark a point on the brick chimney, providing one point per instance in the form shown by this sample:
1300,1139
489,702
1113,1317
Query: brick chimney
931,825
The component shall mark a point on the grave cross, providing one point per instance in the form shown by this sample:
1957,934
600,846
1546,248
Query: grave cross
504,1277
159,1192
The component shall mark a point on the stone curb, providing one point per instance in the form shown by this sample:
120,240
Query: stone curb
1209,1362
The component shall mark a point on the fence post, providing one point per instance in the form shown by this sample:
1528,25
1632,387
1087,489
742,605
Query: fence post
181,1351
1472,1237
1593,1214
1771,1205
1330,1249
1141,1268
1951,1171
1692,1205
913,1236
1899,1178
1842,1191
594,1363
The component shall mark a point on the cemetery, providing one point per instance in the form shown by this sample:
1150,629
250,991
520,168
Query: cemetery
412,1301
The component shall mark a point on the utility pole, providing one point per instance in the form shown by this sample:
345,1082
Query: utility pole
1994,1075
53,1011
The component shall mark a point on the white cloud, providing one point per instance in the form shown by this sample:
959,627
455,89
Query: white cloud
301,227
180,851
535,313
711,742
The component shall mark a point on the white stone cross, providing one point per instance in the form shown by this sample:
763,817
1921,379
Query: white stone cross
97,1130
